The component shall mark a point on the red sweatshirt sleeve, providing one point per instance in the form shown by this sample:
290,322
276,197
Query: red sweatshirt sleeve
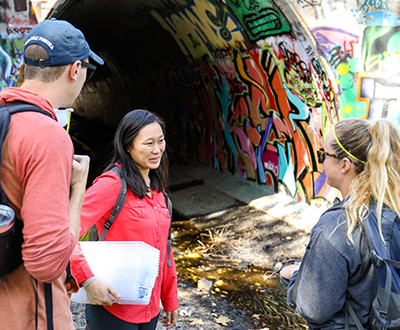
42,153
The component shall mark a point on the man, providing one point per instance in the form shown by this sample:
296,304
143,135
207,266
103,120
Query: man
43,181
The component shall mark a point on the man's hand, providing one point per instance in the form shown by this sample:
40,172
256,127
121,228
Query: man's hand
170,319
97,292
80,169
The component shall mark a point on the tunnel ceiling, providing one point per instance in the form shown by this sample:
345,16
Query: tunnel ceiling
136,49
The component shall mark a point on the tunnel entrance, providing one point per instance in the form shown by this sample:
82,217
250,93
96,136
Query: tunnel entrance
139,58
238,93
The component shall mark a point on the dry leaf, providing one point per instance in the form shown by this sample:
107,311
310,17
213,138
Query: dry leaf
198,321
223,320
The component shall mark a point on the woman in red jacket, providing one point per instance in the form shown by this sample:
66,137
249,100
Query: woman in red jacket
139,147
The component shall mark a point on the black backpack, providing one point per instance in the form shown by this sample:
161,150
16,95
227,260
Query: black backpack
385,256
11,240
93,235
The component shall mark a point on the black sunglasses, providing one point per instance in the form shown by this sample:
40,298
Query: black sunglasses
91,69
321,153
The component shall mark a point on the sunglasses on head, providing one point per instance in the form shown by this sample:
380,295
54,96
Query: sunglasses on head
321,153
91,69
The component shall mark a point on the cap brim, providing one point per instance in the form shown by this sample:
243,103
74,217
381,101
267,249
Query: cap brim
96,58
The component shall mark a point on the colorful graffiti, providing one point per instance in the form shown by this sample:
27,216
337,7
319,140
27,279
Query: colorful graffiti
257,112
260,18
366,62
18,20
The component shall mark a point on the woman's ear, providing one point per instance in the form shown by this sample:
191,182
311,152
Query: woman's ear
346,165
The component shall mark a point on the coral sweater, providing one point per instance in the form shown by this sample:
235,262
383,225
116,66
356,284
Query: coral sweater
35,174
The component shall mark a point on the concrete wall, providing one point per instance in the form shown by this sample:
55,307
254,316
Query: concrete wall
243,85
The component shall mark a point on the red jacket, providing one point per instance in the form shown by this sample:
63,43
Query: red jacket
145,220
35,174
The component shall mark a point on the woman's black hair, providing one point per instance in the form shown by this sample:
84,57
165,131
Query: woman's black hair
127,130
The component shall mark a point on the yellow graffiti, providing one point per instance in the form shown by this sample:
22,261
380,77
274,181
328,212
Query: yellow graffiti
246,77
194,31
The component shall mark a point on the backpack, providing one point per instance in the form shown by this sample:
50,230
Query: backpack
93,235
385,256
12,239
385,309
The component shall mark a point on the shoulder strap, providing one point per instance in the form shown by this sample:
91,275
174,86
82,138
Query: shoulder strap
20,106
118,205
169,242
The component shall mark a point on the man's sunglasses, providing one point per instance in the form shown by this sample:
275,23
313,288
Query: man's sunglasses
321,153
91,69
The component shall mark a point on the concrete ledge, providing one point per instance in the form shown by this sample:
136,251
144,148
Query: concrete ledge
201,191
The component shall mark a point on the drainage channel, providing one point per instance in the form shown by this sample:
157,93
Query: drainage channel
252,288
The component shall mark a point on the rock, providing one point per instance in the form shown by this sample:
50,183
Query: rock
204,285
187,311
278,266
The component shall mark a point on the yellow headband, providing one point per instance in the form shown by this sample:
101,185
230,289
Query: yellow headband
337,140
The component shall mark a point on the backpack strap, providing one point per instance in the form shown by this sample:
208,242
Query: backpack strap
21,106
169,242
118,205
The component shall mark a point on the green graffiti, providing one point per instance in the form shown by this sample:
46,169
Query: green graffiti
259,18
349,106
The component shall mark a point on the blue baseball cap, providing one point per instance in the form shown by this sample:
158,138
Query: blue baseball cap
64,43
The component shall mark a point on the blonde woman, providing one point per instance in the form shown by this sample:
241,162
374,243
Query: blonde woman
361,159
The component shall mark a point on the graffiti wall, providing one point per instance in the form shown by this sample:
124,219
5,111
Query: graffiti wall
363,54
255,96
243,83
16,19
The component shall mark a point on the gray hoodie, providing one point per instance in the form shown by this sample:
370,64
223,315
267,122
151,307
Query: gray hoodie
334,268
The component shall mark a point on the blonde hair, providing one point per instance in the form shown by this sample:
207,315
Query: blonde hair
47,74
378,181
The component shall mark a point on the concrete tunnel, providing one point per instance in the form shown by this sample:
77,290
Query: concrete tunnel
249,88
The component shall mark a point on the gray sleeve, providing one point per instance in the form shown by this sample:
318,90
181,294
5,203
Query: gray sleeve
323,284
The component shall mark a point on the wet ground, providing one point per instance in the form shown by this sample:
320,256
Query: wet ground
231,256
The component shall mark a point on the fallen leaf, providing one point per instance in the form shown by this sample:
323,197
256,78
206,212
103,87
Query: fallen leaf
219,283
256,316
223,320
198,321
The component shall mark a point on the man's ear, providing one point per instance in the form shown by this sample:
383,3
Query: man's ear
73,70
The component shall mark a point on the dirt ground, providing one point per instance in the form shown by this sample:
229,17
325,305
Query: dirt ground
243,238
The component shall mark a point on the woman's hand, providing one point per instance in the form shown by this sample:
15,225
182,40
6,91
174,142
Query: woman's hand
170,319
97,292
288,271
